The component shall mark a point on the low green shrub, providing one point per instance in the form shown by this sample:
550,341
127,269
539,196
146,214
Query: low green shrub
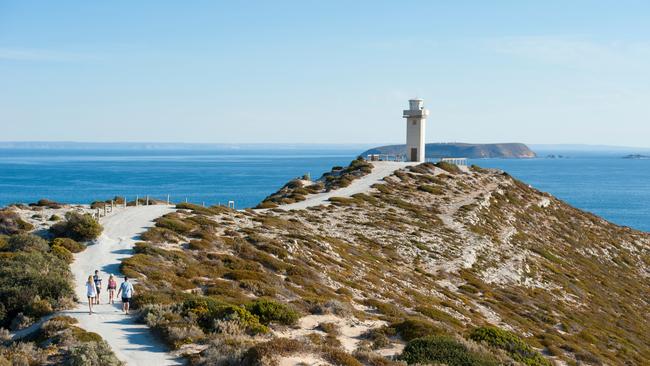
212,210
431,189
339,357
448,167
270,311
44,202
69,244
62,253
384,308
379,337
160,235
439,315
478,169
208,310
27,243
39,307
84,336
11,223
267,204
77,226
174,224
412,328
259,288
199,245
171,326
329,328
264,353
152,298
27,278
92,353
238,275
509,342
444,350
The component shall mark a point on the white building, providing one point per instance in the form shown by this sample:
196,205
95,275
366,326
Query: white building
416,117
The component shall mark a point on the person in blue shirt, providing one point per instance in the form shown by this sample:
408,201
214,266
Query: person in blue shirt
98,285
127,291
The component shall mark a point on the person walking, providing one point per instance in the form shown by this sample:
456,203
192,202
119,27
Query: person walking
112,285
127,291
91,292
98,285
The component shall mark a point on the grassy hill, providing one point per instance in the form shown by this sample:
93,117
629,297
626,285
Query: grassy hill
434,266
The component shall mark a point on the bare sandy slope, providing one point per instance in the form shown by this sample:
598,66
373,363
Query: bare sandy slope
132,343
380,170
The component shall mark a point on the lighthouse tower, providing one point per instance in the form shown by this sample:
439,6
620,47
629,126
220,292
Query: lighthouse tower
416,117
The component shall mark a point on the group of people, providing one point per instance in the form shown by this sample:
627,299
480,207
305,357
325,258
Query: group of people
94,288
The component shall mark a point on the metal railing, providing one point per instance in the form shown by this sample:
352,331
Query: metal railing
386,157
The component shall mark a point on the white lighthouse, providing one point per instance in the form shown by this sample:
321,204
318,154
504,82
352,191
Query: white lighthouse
416,117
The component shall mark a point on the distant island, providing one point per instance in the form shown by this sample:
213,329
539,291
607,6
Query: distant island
473,151
636,156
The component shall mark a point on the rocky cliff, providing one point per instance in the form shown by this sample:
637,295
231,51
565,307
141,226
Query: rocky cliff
462,150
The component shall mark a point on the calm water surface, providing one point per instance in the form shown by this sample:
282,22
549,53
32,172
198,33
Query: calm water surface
82,176
617,189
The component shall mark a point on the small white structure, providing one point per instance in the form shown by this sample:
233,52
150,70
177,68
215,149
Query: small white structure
416,117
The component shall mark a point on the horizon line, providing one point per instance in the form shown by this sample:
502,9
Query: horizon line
4,144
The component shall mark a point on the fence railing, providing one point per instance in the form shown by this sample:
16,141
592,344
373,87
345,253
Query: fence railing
386,157
103,208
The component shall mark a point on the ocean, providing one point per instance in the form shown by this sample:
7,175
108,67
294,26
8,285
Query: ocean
605,184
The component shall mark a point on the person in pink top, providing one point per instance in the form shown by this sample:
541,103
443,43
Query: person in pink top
112,285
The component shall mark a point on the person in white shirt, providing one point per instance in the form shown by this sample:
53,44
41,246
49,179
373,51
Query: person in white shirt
91,292
127,291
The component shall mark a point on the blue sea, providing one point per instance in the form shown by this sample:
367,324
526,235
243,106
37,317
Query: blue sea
605,184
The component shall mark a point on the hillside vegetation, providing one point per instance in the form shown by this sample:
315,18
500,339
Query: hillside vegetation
35,281
434,266
57,342
297,189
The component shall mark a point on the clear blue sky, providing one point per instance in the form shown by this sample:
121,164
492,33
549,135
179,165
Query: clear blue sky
325,71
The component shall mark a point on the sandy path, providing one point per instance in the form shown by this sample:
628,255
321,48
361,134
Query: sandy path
131,342
381,169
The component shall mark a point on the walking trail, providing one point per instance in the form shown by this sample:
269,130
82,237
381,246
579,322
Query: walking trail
132,343
380,170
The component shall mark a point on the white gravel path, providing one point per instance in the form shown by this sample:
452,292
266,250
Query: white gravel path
132,343
380,170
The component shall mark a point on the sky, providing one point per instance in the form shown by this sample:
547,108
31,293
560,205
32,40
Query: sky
325,71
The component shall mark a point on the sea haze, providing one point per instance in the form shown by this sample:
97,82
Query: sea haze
600,182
